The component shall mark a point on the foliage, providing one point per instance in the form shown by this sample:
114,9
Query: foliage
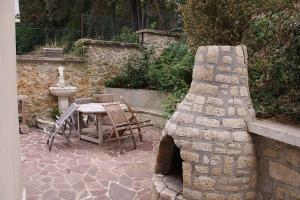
223,22
171,72
274,42
270,29
55,113
27,39
134,75
127,35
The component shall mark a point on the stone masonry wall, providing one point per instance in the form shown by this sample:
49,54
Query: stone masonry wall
279,170
158,40
36,76
209,127
106,59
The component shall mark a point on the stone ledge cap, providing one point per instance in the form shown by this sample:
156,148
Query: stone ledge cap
48,59
165,33
107,43
277,131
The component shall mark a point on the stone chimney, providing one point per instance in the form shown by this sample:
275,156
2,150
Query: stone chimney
207,136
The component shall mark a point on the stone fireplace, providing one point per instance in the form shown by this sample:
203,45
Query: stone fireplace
205,151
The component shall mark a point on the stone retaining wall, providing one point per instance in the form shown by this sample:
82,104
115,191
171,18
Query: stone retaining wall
278,170
158,40
105,59
36,75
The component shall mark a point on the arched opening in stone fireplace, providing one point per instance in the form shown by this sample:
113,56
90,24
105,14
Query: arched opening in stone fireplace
169,165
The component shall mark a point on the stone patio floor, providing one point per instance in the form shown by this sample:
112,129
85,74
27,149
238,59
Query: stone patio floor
84,171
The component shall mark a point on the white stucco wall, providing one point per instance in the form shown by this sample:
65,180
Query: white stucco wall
10,175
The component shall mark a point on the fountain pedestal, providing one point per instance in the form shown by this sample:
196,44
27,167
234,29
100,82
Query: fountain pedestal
63,94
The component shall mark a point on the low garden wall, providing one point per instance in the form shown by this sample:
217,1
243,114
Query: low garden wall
278,156
141,98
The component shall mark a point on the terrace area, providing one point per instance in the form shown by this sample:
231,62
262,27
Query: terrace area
83,171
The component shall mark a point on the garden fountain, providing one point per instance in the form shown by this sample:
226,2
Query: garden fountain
62,91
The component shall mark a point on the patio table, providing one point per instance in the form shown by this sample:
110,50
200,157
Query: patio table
99,110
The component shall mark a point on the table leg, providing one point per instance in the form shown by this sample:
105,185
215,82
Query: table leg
100,131
78,122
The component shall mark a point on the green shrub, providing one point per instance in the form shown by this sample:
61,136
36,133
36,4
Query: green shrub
134,75
127,35
171,72
27,39
275,65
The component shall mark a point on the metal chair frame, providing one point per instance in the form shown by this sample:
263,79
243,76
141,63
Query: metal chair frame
61,124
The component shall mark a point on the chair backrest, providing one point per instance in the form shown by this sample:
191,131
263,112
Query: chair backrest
104,98
66,114
127,105
116,113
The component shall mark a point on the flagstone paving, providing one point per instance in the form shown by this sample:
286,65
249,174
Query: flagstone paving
84,171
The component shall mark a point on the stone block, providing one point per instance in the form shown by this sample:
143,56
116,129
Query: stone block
295,194
212,54
231,111
270,152
191,194
234,91
235,80
204,159
246,162
227,60
226,48
189,156
188,132
241,71
234,197
204,183
200,99
241,136
284,174
224,69
197,108
187,174
215,111
201,146
216,171
202,169
184,118
204,88
280,192
215,101
251,195
244,91
190,97
204,121
203,73
233,123
216,160
214,196
242,112
293,157
223,78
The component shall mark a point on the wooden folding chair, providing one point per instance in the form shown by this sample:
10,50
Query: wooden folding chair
61,125
120,123
134,120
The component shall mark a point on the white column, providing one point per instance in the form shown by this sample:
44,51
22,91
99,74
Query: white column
10,175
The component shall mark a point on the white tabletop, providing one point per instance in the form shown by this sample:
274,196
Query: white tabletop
94,108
